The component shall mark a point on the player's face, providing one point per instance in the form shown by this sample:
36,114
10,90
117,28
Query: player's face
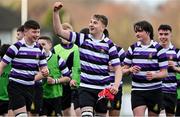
47,46
32,34
164,37
141,35
95,26
20,35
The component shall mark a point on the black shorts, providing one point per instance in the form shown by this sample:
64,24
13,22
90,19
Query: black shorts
50,105
169,102
3,107
89,97
75,98
116,103
20,95
66,98
151,98
38,99
178,108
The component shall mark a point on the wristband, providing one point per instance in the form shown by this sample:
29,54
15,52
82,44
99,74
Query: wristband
57,81
54,81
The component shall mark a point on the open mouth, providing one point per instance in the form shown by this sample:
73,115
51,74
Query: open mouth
91,28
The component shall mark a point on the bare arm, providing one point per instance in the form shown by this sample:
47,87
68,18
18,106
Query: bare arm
118,78
2,66
173,66
157,75
133,69
60,80
38,76
57,22
177,69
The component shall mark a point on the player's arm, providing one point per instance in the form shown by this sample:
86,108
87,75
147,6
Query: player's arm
57,22
177,69
133,69
118,78
157,75
173,66
60,80
38,76
2,66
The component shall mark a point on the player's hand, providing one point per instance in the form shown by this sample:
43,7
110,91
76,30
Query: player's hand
171,64
110,67
135,69
50,80
114,89
57,6
73,83
44,71
150,75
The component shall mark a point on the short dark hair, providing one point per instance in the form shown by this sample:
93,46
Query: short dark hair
31,24
144,25
3,49
165,27
48,39
20,28
102,18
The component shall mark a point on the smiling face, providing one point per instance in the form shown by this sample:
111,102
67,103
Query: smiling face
97,24
164,37
32,34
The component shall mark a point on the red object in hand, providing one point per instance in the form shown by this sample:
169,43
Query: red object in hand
105,93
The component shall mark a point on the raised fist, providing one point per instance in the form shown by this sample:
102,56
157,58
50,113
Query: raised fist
57,6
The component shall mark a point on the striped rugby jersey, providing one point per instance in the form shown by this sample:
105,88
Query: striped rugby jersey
121,54
170,83
150,58
25,61
95,55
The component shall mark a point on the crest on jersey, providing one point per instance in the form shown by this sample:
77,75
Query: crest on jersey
37,56
150,56
102,50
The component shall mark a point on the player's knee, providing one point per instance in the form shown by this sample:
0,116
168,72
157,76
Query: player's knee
23,114
87,114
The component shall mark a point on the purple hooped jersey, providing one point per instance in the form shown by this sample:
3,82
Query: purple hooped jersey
121,54
25,61
170,83
150,58
95,55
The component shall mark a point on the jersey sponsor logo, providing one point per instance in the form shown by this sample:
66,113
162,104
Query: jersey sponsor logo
23,53
136,53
